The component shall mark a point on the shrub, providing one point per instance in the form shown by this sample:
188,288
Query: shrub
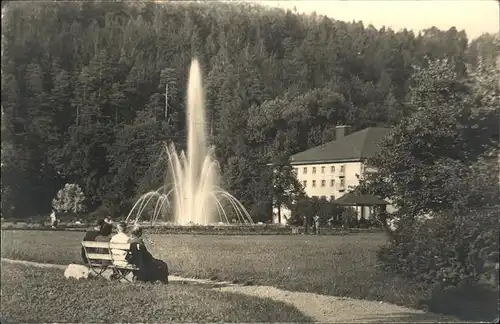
125,206
310,207
261,211
451,249
100,213
70,199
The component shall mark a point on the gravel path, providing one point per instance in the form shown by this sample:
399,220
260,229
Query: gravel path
331,309
322,308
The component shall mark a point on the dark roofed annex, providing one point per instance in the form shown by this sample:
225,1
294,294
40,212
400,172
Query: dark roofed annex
354,147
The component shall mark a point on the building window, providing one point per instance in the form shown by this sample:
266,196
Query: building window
314,183
342,182
322,169
342,168
332,169
295,171
305,170
314,170
332,183
323,197
332,198
304,183
323,183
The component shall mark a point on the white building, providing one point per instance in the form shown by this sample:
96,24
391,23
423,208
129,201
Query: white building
331,169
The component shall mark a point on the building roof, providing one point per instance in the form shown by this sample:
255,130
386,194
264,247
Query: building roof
352,198
354,147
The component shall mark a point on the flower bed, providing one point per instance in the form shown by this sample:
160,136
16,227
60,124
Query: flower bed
267,229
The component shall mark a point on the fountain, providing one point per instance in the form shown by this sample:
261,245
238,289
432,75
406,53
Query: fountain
191,193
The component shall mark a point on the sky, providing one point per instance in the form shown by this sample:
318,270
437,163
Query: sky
475,16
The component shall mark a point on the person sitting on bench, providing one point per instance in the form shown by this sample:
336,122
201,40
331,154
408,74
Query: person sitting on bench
102,235
150,269
120,237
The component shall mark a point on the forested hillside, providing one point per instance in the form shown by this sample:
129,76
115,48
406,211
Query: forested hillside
84,92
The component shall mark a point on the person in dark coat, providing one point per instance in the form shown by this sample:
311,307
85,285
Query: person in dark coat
305,223
100,234
150,269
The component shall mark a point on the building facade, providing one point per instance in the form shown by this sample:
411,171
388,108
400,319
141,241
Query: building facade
332,169
328,180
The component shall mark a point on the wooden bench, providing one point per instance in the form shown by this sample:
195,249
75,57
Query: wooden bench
108,256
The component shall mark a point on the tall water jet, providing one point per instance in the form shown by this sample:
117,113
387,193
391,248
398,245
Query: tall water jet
191,194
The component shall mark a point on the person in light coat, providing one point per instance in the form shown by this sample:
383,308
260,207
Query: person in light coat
120,237
316,224
53,219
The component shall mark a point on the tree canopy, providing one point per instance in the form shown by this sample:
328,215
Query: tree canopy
91,90
440,167
444,155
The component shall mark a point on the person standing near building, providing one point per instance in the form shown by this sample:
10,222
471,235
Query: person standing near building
330,222
316,224
304,222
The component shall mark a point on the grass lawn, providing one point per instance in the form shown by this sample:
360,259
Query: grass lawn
31,294
331,265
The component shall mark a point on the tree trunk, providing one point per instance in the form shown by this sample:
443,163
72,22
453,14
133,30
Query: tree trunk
279,214
385,226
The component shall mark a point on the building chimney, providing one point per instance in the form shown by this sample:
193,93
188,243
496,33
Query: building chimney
341,131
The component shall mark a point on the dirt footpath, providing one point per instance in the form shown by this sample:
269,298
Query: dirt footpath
330,309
